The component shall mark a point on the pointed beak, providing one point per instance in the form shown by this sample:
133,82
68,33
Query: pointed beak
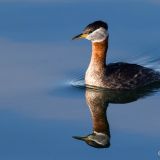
80,36
80,138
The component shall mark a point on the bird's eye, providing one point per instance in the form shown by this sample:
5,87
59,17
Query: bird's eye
90,32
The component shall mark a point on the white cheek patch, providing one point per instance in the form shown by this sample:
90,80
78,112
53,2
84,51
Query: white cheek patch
98,35
101,139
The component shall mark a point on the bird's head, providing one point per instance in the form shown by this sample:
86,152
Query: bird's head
99,140
95,32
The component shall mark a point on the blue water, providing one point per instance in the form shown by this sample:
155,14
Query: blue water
40,110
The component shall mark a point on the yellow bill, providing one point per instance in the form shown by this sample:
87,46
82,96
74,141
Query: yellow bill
80,36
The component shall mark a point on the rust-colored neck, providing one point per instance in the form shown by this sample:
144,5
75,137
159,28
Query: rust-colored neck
98,106
99,50
99,120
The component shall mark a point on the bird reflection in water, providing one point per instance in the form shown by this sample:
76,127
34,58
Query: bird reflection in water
98,101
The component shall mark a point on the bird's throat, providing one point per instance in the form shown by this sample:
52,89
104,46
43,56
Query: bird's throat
99,50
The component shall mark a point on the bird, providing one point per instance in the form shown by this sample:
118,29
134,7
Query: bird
98,102
114,76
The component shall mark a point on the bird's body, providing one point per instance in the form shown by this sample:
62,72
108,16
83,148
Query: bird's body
128,76
116,75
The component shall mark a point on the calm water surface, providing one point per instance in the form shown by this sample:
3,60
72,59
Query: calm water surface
40,110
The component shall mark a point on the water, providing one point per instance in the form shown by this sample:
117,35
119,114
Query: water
40,109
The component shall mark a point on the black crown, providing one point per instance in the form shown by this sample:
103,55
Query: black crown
95,25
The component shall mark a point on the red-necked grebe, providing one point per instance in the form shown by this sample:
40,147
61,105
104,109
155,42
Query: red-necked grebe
115,75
